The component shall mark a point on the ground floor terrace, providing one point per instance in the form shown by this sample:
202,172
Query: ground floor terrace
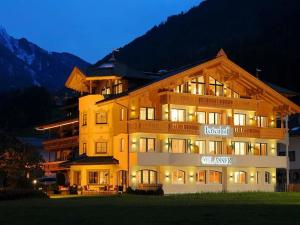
174,179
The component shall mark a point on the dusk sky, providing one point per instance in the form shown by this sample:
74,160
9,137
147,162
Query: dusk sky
87,28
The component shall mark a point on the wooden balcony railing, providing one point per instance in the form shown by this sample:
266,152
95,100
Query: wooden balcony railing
209,101
259,132
61,143
193,128
52,166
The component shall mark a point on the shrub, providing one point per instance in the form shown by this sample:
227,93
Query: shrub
159,191
10,194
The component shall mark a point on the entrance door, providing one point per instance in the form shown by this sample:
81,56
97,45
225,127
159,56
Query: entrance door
122,178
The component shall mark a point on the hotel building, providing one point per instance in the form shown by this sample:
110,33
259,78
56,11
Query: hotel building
209,127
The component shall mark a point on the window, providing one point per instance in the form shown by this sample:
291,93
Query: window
122,145
84,119
147,144
292,156
261,149
101,117
146,113
239,148
101,147
197,85
267,177
178,177
146,177
239,119
262,121
77,178
215,87
215,177
215,147
178,145
84,148
199,147
201,117
178,115
122,114
214,118
240,177
201,177
118,86
98,177
93,177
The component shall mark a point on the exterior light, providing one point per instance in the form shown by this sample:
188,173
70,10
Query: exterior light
34,182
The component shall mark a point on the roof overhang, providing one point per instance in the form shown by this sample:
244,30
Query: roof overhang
57,124
114,77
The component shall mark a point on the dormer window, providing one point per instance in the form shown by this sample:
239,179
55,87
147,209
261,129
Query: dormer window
118,86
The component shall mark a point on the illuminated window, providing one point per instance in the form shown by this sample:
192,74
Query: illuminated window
178,145
201,117
101,117
239,148
215,177
98,177
239,119
262,121
77,178
146,177
215,147
84,148
201,177
239,177
122,114
180,88
147,144
178,115
101,147
267,177
215,87
261,149
197,85
122,145
93,177
118,87
214,118
84,119
178,177
146,113
199,147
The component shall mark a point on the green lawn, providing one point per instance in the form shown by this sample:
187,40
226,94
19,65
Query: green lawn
194,209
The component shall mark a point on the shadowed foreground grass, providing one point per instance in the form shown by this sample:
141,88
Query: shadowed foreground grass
193,209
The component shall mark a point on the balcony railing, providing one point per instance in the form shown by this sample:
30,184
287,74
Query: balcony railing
61,143
52,166
193,128
209,101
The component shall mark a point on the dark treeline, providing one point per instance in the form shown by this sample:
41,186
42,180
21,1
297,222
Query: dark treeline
260,34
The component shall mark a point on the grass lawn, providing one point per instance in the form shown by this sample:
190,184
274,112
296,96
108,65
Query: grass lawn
192,209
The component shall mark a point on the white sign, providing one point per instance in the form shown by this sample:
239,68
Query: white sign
218,160
216,130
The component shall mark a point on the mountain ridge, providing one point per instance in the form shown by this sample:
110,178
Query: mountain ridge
23,63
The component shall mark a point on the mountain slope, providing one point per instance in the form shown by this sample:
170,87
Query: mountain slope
23,63
254,33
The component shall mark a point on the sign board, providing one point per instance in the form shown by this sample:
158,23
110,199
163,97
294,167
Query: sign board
216,160
216,130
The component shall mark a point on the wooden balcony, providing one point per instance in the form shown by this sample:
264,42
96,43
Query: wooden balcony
209,101
193,128
52,166
259,132
61,143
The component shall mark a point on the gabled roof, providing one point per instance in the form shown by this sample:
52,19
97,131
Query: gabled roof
245,79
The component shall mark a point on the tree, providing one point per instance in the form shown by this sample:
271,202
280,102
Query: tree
19,163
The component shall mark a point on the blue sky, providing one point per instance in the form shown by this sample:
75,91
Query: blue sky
87,28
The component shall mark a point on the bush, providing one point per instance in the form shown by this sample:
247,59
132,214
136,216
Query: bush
10,194
159,191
